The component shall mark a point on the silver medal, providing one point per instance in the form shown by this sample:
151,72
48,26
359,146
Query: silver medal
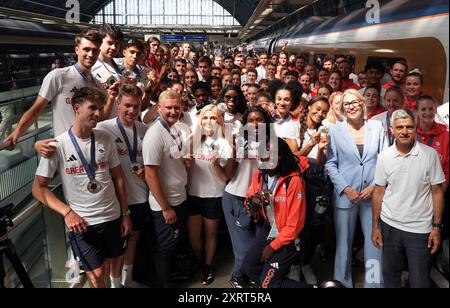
94,186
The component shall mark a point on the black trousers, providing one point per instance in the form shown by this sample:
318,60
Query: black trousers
167,239
270,274
397,244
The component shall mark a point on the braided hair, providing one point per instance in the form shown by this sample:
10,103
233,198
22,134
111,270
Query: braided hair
304,117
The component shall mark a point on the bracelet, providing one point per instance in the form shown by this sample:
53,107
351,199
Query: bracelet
68,212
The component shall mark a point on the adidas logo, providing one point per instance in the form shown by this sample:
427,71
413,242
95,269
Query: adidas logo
275,265
72,158
118,140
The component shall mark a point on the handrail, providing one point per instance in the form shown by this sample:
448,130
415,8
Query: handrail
23,216
26,136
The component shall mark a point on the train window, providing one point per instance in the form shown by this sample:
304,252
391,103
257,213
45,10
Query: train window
387,62
318,60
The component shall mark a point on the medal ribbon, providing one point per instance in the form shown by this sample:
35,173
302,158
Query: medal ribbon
90,168
132,152
164,124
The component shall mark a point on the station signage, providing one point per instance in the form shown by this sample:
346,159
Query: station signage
168,38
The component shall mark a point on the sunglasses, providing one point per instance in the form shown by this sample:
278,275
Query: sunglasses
229,97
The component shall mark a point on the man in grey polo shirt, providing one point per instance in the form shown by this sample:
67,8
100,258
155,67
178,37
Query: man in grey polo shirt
408,201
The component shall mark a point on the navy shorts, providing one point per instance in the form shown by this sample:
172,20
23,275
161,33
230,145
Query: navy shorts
210,208
98,243
140,214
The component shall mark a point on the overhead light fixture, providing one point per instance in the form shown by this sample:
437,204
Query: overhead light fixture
267,11
384,50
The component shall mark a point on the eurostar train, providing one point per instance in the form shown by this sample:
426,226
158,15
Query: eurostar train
417,31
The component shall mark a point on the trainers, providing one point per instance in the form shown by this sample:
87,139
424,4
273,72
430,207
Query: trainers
294,273
331,284
208,275
238,282
178,276
310,277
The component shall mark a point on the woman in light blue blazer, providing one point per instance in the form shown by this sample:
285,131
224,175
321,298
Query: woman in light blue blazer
351,159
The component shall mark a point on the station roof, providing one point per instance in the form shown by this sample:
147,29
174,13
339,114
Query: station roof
242,10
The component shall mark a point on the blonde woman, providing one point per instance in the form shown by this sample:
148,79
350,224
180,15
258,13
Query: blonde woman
353,149
334,115
206,184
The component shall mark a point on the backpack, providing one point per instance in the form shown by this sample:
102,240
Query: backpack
318,194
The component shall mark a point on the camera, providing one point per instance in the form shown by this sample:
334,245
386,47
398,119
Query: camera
258,202
8,249
5,220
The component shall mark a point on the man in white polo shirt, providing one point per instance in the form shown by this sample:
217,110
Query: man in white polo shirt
166,176
408,202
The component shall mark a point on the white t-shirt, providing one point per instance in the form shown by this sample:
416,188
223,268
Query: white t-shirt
287,128
94,208
407,204
137,73
137,190
203,179
58,87
248,164
157,146
261,72
442,114
307,140
102,71
383,118
232,124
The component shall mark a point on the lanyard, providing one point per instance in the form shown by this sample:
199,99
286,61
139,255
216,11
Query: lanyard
113,64
132,152
88,78
430,141
164,124
90,168
266,182
390,136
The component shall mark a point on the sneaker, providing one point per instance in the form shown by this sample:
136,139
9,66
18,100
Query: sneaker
331,284
294,273
178,276
238,282
207,275
308,273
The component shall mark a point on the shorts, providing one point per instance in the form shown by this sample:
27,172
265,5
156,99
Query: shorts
140,214
210,208
98,243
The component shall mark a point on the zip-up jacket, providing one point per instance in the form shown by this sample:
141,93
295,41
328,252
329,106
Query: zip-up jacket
440,142
289,206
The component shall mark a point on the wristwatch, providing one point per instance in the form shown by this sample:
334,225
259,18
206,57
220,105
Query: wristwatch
126,213
437,226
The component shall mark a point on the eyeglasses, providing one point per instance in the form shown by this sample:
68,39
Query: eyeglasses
353,104
229,97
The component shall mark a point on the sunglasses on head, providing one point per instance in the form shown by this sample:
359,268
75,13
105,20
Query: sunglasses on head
229,97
